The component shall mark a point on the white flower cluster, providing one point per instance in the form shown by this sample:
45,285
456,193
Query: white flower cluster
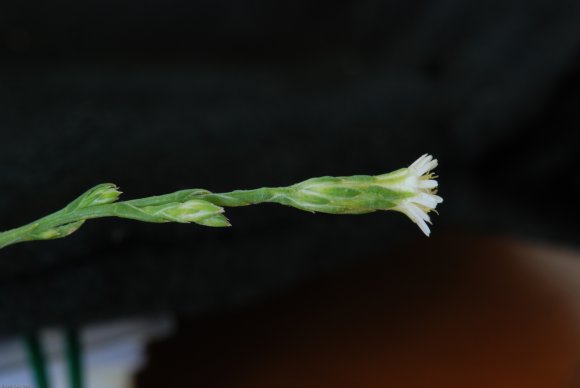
421,181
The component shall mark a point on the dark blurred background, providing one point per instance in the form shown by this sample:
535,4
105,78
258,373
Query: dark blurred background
157,96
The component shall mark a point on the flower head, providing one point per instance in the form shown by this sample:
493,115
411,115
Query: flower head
419,181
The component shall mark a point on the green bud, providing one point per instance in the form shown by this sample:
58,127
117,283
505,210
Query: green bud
217,221
99,195
58,231
196,210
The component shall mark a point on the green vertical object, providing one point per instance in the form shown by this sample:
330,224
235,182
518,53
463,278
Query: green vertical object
37,359
74,358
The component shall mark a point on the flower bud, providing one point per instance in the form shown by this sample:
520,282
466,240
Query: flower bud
99,195
198,211
58,231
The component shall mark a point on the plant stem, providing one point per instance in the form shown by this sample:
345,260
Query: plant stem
16,235
37,360
74,358
25,233
133,209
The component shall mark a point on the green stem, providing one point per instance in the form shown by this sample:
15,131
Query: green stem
246,197
74,358
16,235
132,209
37,360
26,232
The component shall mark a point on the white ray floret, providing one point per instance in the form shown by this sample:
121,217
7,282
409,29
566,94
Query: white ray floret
419,180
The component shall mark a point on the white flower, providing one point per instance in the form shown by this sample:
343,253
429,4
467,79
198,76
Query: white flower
420,181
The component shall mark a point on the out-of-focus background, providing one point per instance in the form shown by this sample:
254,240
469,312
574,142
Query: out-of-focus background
158,96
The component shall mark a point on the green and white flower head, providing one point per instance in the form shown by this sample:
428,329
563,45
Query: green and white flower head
419,182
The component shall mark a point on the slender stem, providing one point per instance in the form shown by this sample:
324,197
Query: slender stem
23,233
129,209
16,235
37,360
74,358
245,197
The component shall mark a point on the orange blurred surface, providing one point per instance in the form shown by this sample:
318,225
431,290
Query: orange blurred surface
448,312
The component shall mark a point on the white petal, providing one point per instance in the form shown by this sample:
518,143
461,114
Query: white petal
420,213
424,227
417,164
417,215
437,198
427,166
428,184
405,209
426,200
